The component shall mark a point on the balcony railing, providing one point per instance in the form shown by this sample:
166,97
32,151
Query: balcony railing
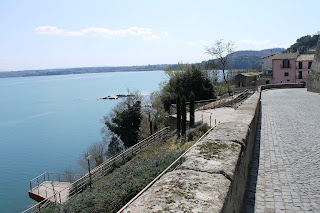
285,66
301,78
302,68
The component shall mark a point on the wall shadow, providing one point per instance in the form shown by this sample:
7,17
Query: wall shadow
254,168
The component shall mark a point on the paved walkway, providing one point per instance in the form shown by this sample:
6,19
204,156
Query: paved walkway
285,175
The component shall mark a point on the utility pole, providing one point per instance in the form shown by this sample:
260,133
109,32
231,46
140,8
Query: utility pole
88,157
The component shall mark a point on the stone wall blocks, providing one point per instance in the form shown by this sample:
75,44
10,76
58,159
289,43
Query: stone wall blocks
184,191
214,157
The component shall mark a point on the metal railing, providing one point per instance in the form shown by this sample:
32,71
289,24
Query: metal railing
55,198
106,167
285,66
217,102
103,169
303,68
230,100
50,176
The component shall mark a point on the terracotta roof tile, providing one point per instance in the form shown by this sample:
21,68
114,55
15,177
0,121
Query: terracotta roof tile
305,57
282,56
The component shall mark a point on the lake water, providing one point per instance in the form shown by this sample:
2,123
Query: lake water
47,122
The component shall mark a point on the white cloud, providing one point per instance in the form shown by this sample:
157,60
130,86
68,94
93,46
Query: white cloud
145,33
257,45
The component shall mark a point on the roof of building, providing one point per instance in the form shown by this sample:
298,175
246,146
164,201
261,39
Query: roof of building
270,55
247,74
282,56
305,57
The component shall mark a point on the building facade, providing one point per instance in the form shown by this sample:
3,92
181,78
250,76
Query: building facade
291,67
303,66
267,64
250,79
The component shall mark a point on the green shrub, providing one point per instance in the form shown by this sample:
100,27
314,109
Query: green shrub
123,184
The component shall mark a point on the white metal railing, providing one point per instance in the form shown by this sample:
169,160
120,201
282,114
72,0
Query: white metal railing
228,101
106,167
50,176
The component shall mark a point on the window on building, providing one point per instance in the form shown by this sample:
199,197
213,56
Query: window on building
285,63
286,74
300,74
288,80
300,64
309,64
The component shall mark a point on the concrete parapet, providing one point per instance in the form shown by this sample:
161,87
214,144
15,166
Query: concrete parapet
214,173
280,86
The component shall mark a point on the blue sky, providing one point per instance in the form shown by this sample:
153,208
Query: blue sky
43,34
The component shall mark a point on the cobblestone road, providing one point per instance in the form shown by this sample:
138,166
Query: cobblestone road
286,176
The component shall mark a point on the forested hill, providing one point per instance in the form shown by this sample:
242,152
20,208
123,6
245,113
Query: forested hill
305,43
249,59
259,53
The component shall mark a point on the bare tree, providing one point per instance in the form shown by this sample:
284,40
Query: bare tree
96,151
69,175
221,53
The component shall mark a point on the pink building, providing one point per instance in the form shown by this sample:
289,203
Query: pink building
303,65
291,67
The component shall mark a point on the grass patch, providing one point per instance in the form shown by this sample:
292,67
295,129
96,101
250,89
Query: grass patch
211,150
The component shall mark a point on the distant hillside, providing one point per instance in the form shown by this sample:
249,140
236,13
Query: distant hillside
81,70
249,59
259,53
305,43
245,59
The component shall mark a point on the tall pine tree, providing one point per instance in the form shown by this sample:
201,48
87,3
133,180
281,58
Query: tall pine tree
184,116
126,123
192,102
178,115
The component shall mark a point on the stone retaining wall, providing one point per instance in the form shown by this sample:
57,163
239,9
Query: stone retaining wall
214,173
314,74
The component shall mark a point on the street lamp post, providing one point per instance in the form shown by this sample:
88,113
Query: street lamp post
88,157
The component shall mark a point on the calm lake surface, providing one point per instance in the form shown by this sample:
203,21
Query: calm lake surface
47,122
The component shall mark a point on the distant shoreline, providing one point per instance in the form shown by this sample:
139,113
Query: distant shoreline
77,71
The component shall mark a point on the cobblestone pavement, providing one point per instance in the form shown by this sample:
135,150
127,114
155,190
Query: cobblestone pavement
286,176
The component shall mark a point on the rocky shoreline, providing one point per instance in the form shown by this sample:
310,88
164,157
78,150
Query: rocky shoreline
116,97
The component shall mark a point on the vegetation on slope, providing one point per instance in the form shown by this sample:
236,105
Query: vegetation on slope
248,59
305,43
113,191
